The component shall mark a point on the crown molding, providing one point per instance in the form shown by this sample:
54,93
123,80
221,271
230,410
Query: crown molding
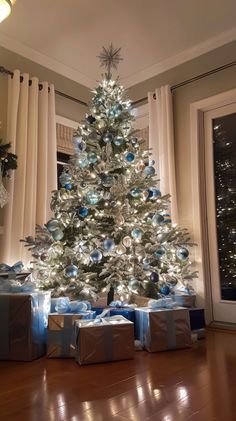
180,58
158,68
45,61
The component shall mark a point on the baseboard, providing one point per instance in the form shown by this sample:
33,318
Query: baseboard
222,327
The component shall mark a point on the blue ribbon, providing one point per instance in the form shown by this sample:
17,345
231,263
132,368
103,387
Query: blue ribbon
17,267
161,303
10,285
64,305
118,304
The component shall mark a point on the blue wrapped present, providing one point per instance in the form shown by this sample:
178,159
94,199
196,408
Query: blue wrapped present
162,329
197,318
24,318
60,342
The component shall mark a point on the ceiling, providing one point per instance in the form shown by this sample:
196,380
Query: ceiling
155,35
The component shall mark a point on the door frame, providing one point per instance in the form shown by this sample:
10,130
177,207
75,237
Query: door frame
199,203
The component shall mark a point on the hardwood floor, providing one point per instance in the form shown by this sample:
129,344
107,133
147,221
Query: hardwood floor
195,385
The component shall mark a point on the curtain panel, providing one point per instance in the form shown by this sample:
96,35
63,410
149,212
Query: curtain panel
31,129
161,140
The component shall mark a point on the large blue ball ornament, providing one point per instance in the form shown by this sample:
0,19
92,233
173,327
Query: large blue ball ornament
92,157
165,290
182,253
96,256
149,170
52,225
57,234
107,137
137,233
116,110
83,212
118,141
71,271
108,244
107,180
135,192
154,277
153,193
129,157
93,197
91,119
83,160
158,219
159,252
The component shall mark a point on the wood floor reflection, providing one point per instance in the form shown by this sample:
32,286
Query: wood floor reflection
195,385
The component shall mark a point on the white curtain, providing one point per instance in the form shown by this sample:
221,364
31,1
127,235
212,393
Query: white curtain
161,140
31,129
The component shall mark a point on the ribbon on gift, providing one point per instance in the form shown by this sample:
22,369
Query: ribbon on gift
64,305
11,285
161,303
120,304
17,267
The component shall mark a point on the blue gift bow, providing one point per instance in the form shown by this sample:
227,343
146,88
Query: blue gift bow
161,303
9,285
17,267
121,304
64,305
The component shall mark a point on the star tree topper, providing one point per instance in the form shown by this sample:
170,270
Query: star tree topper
110,58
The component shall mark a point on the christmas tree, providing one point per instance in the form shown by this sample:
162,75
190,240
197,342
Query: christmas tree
111,229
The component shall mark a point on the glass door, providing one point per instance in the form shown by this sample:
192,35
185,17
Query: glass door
220,167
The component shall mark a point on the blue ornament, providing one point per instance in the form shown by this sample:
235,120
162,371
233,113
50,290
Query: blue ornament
52,225
93,197
96,256
116,110
154,277
107,180
149,170
146,263
151,162
68,186
134,284
71,271
118,141
107,137
165,290
158,219
129,156
83,212
182,253
156,193
92,157
135,192
79,144
159,252
91,119
108,244
57,234
168,221
64,178
83,160
137,233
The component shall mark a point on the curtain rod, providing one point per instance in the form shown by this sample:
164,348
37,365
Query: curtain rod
178,85
193,79
71,98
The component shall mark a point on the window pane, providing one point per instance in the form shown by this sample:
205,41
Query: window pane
224,135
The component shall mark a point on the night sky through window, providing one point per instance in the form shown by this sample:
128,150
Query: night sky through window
224,136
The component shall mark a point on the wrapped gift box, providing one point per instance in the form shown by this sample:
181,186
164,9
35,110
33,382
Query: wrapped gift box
23,326
197,318
60,343
126,312
110,340
139,300
185,300
163,329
